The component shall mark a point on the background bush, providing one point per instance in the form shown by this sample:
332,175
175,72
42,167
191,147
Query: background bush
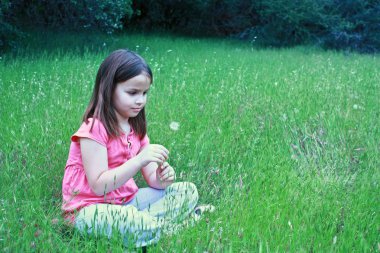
103,15
337,24
352,25
8,30
355,25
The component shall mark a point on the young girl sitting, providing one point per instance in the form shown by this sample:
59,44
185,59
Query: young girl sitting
109,149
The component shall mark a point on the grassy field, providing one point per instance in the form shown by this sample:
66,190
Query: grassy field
285,143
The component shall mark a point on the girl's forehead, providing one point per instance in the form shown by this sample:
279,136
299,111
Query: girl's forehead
138,82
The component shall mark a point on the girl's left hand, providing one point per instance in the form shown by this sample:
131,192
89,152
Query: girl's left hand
165,174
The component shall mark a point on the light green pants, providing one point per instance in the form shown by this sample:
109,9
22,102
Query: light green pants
142,220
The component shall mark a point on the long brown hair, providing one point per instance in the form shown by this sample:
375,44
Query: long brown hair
120,66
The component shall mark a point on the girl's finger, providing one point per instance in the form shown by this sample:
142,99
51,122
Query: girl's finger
165,154
163,177
166,171
164,151
160,157
161,148
161,152
169,179
168,176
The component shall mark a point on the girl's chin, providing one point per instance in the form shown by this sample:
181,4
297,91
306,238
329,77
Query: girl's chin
134,114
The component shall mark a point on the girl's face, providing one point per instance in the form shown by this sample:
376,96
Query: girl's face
129,97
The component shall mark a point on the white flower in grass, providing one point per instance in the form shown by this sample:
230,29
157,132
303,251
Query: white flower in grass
358,107
174,126
290,225
284,117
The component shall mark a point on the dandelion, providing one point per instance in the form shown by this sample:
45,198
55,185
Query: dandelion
55,221
174,126
355,106
215,171
290,225
240,182
37,233
240,232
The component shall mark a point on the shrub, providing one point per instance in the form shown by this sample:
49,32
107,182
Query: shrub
287,23
357,26
208,17
104,15
9,33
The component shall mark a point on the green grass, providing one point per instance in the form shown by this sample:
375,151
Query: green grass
285,143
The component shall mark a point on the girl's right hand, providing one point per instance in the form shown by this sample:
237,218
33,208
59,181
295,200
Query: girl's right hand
152,153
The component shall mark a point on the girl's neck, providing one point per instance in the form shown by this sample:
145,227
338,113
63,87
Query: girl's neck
122,121
124,125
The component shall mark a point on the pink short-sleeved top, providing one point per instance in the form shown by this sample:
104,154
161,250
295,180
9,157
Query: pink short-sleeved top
75,188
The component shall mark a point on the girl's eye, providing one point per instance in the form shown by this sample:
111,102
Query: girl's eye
145,92
131,92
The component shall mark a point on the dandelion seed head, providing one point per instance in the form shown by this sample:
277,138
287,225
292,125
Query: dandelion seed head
290,225
284,117
174,126
37,233
55,221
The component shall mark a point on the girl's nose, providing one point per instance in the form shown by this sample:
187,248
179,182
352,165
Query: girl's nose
140,100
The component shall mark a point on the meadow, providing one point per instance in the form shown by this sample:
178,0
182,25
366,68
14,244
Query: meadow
284,142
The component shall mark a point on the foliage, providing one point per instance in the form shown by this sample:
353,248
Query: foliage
356,26
73,14
9,33
212,17
15,16
285,22
338,24
352,25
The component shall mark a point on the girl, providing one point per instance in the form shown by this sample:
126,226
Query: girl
109,149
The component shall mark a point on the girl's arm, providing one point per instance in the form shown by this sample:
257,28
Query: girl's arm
101,179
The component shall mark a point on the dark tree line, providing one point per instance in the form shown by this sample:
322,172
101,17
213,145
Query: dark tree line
339,24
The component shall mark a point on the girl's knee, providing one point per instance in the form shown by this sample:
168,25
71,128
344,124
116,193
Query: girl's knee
189,189
192,189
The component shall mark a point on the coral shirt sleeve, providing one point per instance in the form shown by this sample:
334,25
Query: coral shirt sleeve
92,129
